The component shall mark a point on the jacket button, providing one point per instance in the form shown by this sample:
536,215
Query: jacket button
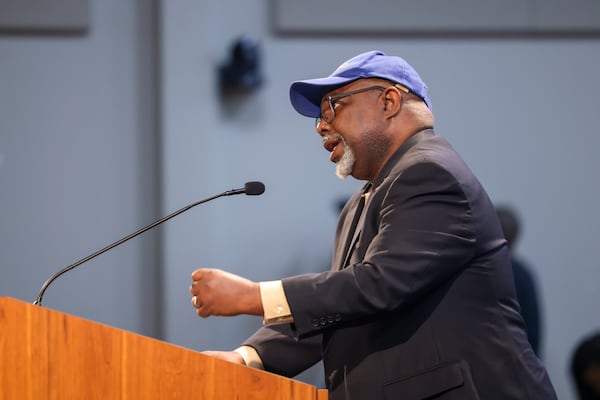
323,321
315,322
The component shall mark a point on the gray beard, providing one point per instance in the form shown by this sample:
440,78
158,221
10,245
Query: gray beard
344,166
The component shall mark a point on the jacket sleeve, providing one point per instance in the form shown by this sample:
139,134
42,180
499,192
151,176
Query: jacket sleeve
283,354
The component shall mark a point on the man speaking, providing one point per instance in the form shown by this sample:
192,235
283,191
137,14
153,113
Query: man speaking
419,302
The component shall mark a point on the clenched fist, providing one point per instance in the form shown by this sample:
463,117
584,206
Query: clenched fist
216,292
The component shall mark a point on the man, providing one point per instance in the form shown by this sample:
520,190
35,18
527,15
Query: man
585,367
420,300
525,284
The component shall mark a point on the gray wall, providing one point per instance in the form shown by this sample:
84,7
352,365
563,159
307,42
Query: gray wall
81,165
78,165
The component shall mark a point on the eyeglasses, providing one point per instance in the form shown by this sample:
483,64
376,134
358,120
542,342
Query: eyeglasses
328,113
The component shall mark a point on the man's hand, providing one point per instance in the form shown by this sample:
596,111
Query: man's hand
231,356
216,292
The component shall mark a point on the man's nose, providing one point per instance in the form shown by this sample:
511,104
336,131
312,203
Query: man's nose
322,127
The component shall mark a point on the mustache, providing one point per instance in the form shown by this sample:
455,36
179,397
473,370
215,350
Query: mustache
333,135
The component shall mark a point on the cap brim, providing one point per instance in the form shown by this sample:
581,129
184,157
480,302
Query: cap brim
306,95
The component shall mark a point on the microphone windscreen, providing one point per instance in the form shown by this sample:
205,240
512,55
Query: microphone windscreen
254,188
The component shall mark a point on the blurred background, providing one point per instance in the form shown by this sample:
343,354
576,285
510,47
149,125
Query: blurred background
124,111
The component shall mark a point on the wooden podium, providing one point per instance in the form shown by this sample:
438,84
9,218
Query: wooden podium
46,354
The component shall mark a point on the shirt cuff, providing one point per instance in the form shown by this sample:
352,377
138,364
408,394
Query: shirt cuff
250,356
275,305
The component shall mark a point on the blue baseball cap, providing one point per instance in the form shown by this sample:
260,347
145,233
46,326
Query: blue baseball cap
306,95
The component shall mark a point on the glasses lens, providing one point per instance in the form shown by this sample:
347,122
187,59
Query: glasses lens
327,112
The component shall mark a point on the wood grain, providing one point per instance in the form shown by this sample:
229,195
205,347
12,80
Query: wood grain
46,354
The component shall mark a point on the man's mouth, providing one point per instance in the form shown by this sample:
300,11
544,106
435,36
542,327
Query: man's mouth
330,143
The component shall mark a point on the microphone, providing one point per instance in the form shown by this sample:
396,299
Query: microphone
250,188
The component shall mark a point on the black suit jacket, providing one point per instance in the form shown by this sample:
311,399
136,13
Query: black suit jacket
420,301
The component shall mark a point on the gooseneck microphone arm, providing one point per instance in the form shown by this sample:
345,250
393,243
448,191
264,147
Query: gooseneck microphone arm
250,188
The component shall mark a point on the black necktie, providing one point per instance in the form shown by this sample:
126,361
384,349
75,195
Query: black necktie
351,232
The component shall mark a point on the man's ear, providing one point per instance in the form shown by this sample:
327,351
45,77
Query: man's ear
392,102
